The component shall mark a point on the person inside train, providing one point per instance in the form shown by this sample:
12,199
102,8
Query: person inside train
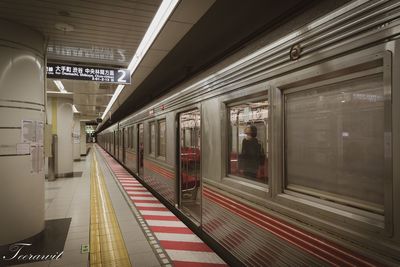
252,153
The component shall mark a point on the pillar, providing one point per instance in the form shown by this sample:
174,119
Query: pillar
22,118
61,115
83,139
76,138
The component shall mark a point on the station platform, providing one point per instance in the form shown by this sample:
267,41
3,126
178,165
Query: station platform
115,221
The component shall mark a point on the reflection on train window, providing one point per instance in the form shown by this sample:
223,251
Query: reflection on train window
190,163
133,143
161,138
152,144
334,142
140,148
248,146
127,137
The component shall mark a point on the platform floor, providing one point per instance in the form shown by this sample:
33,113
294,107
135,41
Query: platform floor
124,224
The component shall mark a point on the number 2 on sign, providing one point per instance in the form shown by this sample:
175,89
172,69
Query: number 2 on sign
121,78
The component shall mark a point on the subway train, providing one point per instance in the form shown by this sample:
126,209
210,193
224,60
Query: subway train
288,155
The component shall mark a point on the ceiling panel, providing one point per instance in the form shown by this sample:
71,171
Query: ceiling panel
102,32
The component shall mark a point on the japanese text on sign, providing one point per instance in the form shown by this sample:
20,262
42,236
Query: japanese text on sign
104,75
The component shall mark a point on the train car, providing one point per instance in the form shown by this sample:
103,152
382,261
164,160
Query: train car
323,105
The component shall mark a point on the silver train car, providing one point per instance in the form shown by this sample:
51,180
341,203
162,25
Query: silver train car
323,105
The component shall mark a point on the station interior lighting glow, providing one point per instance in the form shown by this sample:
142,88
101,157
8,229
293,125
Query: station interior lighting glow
74,109
60,86
161,17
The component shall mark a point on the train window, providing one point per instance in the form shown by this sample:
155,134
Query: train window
133,141
131,137
127,132
248,146
161,138
334,142
152,143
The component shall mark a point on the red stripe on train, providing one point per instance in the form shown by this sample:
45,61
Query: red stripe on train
155,168
317,247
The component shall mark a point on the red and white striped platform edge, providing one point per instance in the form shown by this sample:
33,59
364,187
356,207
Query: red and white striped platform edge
181,244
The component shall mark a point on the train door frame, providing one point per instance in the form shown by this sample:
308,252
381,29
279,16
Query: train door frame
123,146
178,186
140,169
114,143
117,145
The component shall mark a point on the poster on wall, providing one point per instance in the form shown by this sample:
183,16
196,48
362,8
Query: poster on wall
39,133
32,134
28,131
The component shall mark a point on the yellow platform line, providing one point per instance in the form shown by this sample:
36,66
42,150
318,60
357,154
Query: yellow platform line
107,247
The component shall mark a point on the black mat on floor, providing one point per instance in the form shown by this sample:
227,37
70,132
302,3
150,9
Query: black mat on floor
50,242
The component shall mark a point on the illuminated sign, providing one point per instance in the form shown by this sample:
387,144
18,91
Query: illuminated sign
95,74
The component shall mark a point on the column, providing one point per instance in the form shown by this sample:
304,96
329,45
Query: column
22,118
61,115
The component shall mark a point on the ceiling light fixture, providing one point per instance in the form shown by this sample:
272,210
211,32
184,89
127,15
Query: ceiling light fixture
64,27
74,109
159,20
60,86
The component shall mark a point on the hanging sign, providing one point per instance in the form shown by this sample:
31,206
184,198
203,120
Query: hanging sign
85,73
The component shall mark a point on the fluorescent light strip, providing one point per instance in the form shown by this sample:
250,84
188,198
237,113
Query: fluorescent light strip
161,17
74,109
60,86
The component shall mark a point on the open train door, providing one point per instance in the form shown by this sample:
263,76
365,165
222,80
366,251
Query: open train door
189,182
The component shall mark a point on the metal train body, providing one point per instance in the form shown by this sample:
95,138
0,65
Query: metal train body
332,193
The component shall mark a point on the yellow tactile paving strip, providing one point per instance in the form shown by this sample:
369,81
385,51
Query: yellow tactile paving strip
107,247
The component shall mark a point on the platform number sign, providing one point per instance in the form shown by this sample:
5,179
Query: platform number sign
122,75
86,73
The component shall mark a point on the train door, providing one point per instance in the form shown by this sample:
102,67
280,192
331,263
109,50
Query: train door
190,164
114,143
117,144
140,149
123,145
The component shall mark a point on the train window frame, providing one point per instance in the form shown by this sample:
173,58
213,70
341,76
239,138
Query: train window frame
129,137
161,157
266,148
151,149
352,214
244,188
134,141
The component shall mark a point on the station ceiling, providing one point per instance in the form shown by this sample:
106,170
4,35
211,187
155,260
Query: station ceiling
198,34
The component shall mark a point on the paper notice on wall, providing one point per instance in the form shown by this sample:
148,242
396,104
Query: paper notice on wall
37,158
32,132
32,135
39,133
23,149
40,159
28,133
76,137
